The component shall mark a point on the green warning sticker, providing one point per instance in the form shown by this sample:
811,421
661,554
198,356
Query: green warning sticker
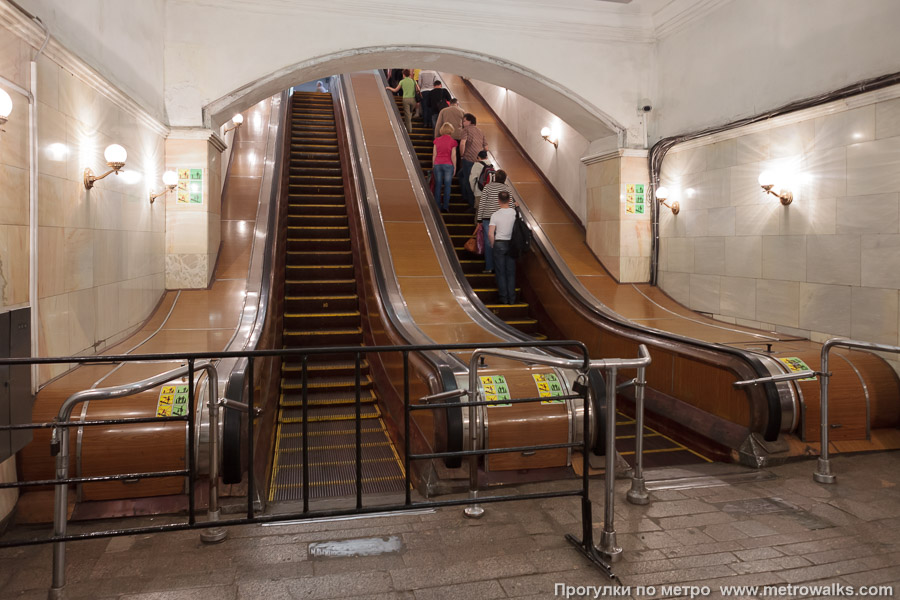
796,364
548,386
173,401
495,389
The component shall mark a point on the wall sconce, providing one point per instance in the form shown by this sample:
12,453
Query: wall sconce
5,107
767,182
238,120
115,156
170,180
549,137
662,194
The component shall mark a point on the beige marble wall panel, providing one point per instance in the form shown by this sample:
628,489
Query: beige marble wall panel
14,240
14,140
48,81
737,296
789,140
53,150
680,257
709,255
82,321
814,216
752,148
109,256
696,222
845,128
881,261
186,233
784,257
663,258
671,225
13,195
744,184
778,302
887,119
81,102
868,214
721,155
691,160
610,197
833,259
825,308
51,261
743,256
53,340
79,259
635,238
721,221
758,219
634,269
106,306
52,200
705,293
603,173
15,55
676,285
875,313
827,173
872,167
712,190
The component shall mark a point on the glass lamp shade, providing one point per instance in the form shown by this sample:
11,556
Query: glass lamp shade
662,192
545,132
5,104
115,153
766,179
170,178
237,119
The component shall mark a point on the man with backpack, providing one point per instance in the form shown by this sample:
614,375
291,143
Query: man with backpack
481,175
487,206
437,100
499,234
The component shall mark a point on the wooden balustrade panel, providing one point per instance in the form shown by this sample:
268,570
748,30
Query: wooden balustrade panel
526,424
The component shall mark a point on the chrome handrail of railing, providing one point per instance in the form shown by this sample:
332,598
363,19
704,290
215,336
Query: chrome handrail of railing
823,472
608,544
60,440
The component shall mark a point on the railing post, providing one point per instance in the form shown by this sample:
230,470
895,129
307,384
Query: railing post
474,510
60,514
192,463
823,464
406,445
638,493
608,546
213,535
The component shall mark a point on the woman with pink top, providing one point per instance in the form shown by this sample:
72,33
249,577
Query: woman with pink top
443,160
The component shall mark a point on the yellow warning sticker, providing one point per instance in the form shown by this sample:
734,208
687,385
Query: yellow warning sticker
173,401
548,386
495,389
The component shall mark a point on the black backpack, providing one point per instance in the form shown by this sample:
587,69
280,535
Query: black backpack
520,240
486,176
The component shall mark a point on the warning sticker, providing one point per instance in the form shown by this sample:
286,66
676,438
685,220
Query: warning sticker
548,386
495,389
795,364
173,401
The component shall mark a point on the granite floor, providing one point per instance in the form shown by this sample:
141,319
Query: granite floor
782,531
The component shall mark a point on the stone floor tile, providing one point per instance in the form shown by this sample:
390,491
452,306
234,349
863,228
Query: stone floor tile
771,564
700,549
543,585
412,578
757,554
754,528
679,576
724,532
485,590
708,518
677,508
209,593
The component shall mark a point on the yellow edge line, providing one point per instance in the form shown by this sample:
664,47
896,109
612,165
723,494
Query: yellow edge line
393,449
337,447
338,482
338,463
665,437
275,466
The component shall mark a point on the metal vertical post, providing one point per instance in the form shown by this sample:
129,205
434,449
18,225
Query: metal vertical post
250,460
638,493
192,463
474,510
213,534
823,472
406,425
305,445
608,547
358,439
587,519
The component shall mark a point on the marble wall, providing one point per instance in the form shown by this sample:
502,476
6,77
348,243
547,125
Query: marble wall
826,265
100,252
193,229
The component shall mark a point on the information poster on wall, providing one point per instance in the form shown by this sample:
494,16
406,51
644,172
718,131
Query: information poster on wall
190,186
796,364
173,401
495,389
548,386
634,198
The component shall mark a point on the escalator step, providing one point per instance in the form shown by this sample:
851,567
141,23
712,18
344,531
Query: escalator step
331,413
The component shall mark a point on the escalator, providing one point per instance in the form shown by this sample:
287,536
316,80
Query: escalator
321,308
460,224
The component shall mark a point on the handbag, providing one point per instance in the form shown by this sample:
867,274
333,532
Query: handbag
479,237
471,245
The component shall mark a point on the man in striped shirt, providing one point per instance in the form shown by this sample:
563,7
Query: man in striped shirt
487,207
471,142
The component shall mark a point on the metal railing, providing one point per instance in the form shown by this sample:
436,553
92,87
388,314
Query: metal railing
607,552
823,472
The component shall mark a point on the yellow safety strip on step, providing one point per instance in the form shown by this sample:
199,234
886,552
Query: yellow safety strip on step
275,462
393,449
327,332
331,418
321,315
299,434
334,447
665,437
338,463
632,437
338,482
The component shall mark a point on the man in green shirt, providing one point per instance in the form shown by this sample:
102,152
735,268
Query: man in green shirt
409,87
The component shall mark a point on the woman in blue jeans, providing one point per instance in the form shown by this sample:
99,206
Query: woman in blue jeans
443,160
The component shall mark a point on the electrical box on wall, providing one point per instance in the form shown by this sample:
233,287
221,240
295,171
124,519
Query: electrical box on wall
15,380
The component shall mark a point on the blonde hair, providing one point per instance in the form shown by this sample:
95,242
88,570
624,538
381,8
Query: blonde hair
446,128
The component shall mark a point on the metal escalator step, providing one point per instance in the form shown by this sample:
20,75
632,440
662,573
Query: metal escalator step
331,383
340,412
339,366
